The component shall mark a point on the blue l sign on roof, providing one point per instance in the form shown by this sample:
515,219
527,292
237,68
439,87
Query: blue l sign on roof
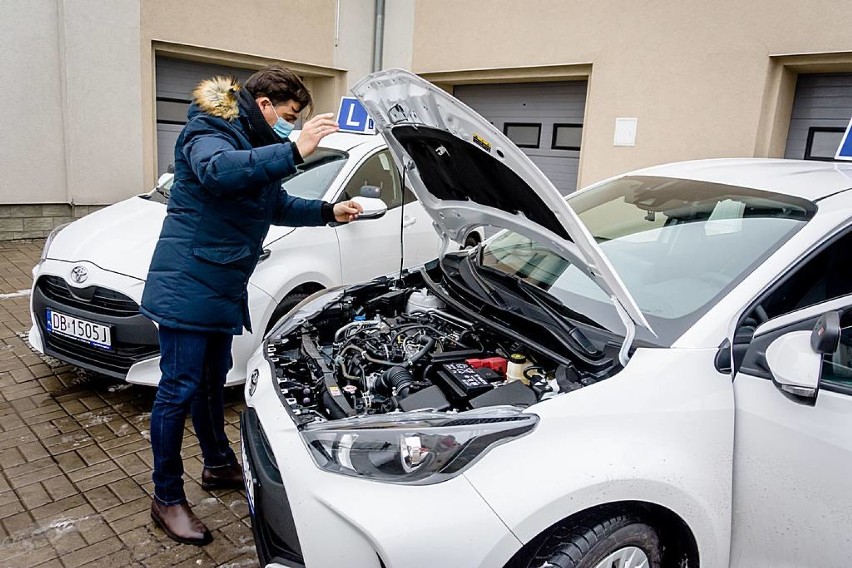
844,151
352,117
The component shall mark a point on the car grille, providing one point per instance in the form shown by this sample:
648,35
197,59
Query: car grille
117,361
93,299
134,336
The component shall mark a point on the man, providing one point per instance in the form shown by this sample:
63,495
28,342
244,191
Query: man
230,159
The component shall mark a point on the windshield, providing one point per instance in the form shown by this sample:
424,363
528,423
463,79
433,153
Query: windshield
678,245
314,176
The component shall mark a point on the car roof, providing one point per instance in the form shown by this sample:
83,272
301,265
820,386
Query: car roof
345,141
811,180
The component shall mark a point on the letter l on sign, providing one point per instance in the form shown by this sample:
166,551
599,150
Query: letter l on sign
353,117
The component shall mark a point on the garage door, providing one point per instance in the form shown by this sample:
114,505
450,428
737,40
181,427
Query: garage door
544,119
176,79
821,110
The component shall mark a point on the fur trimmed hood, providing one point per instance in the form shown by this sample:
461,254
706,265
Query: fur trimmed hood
218,97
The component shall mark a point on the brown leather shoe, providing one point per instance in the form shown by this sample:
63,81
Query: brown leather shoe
180,523
230,477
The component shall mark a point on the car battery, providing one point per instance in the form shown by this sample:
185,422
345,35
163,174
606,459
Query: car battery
497,364
461,381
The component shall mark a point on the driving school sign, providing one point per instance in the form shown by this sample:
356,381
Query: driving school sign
352,117
844,151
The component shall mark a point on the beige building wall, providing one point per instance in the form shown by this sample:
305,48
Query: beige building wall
72,126
80,123
32,154
354,49
697,75
399,34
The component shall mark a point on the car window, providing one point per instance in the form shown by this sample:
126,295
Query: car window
823,276
314,176
837,367
379,170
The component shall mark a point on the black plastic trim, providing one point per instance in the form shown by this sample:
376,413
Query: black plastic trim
810,142
508,125
134,337
556,127
272,523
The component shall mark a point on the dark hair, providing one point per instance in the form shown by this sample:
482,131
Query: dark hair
280,85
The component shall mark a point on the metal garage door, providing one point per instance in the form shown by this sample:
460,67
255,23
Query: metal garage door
544,119
176,79
821,110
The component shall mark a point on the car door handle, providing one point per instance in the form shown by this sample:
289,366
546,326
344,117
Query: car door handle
408,220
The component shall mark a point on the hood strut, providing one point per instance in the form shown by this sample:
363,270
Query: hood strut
630,332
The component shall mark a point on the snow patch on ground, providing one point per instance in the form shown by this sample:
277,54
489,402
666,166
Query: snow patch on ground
240,564
91,419
24,542
48,360
18,294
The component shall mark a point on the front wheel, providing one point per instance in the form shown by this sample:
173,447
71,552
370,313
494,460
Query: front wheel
619,541
287,304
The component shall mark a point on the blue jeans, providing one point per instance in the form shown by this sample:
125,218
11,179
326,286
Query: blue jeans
194,366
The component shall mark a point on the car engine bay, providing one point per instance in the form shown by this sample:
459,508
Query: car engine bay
396,346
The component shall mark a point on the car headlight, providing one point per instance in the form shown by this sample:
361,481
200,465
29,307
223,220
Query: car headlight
417,448
50,238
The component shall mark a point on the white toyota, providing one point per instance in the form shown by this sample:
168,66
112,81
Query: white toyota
654,372
88,283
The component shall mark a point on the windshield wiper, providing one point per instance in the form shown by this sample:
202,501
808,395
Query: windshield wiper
568,334
576,334
489,290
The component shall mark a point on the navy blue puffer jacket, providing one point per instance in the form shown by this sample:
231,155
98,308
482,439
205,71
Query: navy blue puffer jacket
226,193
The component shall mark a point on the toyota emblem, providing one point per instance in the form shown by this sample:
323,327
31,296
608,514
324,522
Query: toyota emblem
79,274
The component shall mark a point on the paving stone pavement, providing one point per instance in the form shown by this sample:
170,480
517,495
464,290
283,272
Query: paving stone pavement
75,459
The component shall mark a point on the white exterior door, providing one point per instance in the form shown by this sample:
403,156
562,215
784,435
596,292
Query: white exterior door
371,248
792,504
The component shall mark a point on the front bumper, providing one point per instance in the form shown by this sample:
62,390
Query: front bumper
273,524
309,517
113,299
134,336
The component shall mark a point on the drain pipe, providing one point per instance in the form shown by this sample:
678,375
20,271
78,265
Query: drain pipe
379,39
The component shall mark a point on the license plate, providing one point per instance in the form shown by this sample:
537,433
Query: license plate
95,334
248,477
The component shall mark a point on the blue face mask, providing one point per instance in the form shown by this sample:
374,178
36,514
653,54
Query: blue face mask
282,128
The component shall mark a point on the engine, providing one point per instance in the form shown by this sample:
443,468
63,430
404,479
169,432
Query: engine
402,349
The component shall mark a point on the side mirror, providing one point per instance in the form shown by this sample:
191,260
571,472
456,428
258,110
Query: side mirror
371,191
794,364
373,207
825,337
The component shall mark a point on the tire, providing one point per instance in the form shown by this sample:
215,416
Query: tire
287,304
618,541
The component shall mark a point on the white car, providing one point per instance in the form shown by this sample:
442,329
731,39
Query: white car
654,372
88,284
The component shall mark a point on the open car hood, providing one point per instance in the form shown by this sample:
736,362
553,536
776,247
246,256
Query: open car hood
466,173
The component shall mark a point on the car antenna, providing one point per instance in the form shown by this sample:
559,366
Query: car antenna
405,168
